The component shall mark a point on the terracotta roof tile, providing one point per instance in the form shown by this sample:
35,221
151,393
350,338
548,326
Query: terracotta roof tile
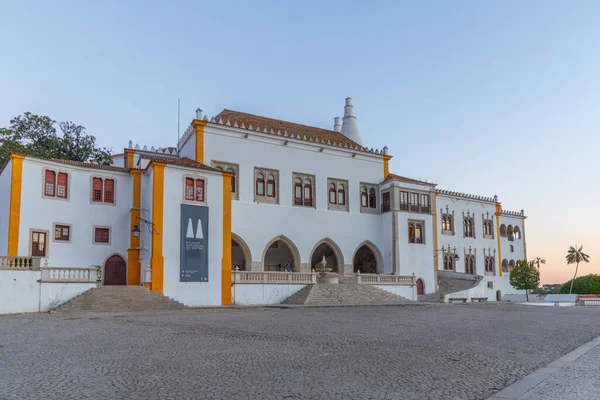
405,179
85,164
290,127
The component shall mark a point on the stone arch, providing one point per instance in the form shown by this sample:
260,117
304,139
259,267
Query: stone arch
336,251
114,270
498,295
517,232
420,287
245,252
291,246
503,230
378,257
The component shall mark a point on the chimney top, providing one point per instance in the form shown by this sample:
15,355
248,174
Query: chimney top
349,126
337,125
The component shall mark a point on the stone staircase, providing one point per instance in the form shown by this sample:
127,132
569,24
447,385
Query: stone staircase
448,285
119,299
343,293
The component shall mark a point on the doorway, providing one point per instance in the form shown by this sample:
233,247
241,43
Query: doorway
498,295
115,271
420,287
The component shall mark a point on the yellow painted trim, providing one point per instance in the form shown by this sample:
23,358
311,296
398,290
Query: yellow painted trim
130,154
14,218
134,269
226,260
199,126
498,211
157,261
435,240
386,166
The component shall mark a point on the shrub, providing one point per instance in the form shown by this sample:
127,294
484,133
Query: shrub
589,284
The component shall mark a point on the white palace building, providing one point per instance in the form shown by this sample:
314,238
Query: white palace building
215,220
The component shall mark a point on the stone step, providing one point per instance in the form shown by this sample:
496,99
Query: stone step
343,293
120,299
448,285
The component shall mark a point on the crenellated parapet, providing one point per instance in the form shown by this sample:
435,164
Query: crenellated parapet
166,151
467,196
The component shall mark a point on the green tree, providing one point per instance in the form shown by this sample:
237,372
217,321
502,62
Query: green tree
589,284
575,256
524,276
37,136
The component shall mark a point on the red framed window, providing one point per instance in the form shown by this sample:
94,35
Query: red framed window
97,190
260,185
341,195
62,183
199,190
364,198
109,191
50,183
332,194
308,197
298,192
372,199
62,233
385,201
101,235
271,185
189,189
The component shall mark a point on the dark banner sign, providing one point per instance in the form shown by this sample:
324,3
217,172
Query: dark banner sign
194,244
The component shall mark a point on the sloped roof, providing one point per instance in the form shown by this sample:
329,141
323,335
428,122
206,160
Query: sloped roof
392,177
182,162
85,164
290,127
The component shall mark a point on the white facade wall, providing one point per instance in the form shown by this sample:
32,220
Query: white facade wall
5,187
251,294
501,287
192,293
518,245
257,224
40,213
462,206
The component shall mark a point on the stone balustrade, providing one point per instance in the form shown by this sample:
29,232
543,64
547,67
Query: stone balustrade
376,279
20,263
68,275
274,278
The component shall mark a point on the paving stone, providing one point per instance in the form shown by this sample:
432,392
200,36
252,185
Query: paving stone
421,351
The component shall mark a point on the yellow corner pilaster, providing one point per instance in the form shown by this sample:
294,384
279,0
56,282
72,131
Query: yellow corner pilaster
498,212
199,126
386,166
157,261
130,156
14,217
134,266
226,260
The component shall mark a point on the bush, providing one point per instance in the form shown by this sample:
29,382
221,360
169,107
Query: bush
589,284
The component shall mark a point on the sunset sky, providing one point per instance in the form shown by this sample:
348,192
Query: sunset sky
479,97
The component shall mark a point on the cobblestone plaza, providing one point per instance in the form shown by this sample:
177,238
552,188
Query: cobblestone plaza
396,352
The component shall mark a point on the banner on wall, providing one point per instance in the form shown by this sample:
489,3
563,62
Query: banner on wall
194,244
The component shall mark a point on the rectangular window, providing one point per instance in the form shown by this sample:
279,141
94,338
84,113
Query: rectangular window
404,201
424,203
38,244
50,181
414,202
298,194
189,189
341,197
62,233
332,196
308,195
109,191
102,235
97,190
385,202
200,190
61,185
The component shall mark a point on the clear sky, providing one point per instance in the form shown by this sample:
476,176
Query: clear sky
477,96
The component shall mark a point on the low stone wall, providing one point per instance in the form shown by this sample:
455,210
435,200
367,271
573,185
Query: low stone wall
256,294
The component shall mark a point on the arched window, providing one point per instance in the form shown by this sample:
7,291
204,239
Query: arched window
260,185
372,198
469,265
511,265
364,198
411,233
503,230
271,185
505,266
511,248
446,223
509,233
517,232
232,172
308,197
341,191
332,194
448,262
298,191
468,227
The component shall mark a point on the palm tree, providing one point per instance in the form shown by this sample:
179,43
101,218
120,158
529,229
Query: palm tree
537,261
575,256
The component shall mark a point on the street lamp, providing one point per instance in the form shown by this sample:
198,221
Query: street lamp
135,231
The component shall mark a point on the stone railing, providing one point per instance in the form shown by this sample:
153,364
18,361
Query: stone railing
376,279
274,278
69,275
20,263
